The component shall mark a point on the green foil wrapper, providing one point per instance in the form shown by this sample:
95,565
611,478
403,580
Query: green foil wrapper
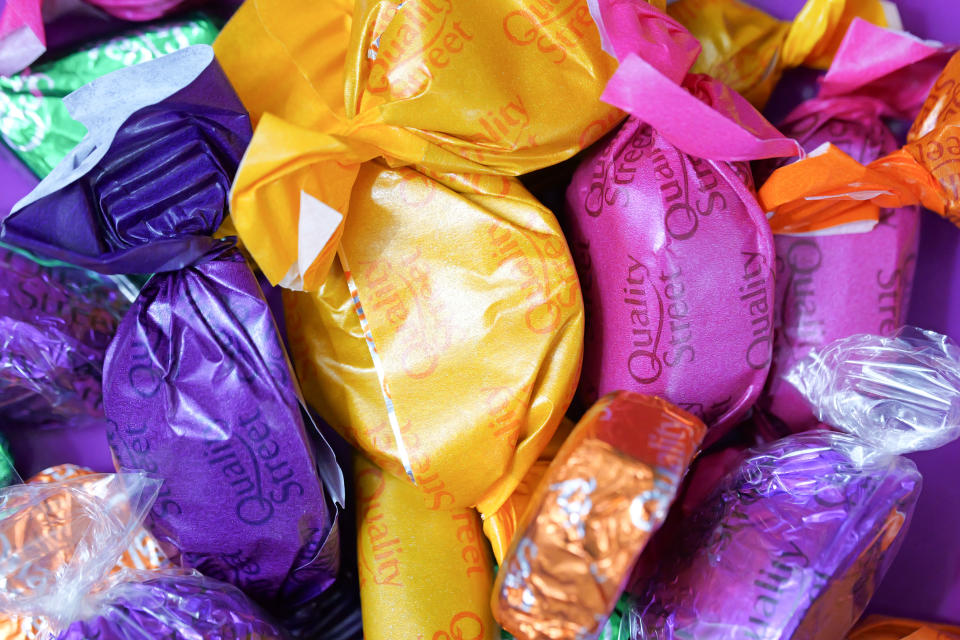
33,120
7,474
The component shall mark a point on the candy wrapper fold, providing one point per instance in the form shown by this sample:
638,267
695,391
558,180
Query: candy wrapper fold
36,124
925,171
748,50
56,322
600,500
404,103
804,529
402,325
846,275
65,536
363,174
167,143
423,573
198,388
22,38
675,257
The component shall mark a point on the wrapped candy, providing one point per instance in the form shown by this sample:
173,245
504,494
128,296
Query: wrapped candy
925,171
804,529
881,628
34,121
378,180
57,322
840,279
423,573
748,50
500,525
197,385
675,256
603,496
22,38
143,552
63,538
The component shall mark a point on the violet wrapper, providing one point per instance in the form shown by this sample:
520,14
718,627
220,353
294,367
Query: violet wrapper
800,534
56,322
198,388
792,545
175,607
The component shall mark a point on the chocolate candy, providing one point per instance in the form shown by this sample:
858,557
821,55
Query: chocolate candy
603,496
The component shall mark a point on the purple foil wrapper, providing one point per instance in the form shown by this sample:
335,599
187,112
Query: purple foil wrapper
198,389
833,286
146,188
175,607
56,323
676,266
798,537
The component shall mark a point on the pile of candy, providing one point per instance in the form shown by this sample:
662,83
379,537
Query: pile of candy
447,320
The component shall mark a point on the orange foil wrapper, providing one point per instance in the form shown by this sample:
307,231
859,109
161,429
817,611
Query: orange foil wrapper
603,496
883,628
926,171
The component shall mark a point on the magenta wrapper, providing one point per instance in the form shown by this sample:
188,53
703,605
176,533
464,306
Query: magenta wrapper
676,265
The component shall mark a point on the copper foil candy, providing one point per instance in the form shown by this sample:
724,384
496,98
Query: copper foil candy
601,499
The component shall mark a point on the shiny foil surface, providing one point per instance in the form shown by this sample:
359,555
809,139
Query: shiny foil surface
603,496
800,535
198,389
35,123
56,322
676,264
178,607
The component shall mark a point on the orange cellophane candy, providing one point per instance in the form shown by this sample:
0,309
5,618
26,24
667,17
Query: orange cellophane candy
143,553
748,49
423,574
883,628
804,196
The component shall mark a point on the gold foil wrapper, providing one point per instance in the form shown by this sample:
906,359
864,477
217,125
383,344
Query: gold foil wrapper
424,574
606,492
500,525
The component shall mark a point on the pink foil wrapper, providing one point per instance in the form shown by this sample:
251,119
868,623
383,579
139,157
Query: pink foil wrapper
675,255
676,265
22,38
834,285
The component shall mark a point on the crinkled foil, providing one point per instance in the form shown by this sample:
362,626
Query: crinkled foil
604,495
